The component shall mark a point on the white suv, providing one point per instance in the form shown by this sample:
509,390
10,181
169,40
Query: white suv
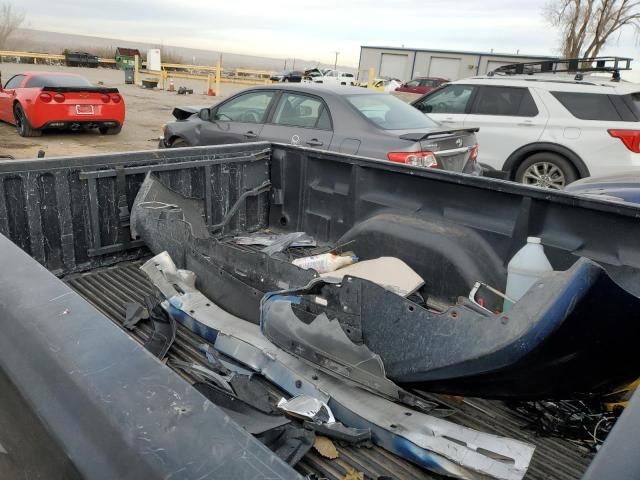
547,129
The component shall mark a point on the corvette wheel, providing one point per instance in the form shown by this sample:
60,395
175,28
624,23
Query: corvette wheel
22,123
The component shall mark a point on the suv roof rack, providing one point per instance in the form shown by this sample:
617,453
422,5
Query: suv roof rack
570,65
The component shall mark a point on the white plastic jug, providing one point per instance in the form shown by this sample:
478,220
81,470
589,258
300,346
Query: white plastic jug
525,268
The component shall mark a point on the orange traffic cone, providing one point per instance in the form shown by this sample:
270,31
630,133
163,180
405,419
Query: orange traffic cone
211,93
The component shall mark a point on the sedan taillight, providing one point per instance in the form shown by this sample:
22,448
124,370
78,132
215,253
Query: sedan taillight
417,159
45,97
630,138
473,156
115,98
105,98
59,97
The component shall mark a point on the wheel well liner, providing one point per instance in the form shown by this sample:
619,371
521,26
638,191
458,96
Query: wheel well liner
517,157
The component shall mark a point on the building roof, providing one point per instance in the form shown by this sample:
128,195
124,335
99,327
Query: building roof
461,52
127,52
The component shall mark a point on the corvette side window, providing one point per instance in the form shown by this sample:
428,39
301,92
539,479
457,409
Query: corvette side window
14,82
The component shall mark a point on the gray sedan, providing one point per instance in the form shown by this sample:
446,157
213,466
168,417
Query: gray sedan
342,119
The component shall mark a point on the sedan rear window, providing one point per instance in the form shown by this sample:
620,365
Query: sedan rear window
390,113
57,81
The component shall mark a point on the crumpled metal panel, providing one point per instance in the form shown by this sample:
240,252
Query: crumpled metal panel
432,443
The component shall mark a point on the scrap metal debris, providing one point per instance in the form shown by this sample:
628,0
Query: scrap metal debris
344,435
134,312
252,420
304,406
430,442
164,327
586,423
289,442
265,239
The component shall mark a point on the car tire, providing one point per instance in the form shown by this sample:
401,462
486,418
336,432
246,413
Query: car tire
110,130
285,80
23,126
178,143
546,169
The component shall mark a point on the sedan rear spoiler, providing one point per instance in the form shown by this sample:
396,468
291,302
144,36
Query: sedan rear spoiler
418,136
81,89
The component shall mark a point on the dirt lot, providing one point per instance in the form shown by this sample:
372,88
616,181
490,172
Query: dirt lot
147,110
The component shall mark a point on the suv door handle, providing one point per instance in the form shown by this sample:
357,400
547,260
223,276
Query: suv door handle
525,124
447,120
314,142
250,134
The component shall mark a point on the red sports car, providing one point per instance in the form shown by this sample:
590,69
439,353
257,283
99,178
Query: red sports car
34,101
422,85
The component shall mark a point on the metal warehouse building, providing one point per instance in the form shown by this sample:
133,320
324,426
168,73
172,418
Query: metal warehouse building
408,63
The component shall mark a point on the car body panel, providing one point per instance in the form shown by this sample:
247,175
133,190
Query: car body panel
622,187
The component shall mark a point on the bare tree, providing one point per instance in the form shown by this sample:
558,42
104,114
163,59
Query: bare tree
587,25
10,20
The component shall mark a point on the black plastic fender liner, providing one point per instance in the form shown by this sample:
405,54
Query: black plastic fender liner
115,410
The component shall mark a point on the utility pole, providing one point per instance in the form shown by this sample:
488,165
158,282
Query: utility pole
294,64
335,64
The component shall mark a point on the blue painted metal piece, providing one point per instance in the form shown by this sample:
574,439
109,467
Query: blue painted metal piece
430,442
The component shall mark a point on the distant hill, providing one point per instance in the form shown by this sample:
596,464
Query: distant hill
53,42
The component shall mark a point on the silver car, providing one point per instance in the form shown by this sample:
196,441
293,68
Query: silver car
342,119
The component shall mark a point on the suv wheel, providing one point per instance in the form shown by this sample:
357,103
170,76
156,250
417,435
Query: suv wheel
548,170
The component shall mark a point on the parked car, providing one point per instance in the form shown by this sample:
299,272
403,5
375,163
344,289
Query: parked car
545,129
34,101
342,119
288,76
422,85
336,77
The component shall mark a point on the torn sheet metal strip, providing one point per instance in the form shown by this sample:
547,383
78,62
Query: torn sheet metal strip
433,443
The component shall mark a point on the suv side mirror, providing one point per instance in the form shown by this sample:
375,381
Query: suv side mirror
205,114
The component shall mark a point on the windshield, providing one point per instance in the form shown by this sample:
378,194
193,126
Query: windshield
390,113
57,81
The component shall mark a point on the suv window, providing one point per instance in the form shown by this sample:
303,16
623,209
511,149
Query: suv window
302,111
14,81
450,99
588,106
250,108
505,101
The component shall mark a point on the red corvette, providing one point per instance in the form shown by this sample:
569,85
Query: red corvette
34,101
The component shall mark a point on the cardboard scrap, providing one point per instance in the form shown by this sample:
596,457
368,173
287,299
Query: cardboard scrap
353,475
325,447
388,272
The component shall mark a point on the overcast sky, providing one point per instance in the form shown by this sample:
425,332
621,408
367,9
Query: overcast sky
310,30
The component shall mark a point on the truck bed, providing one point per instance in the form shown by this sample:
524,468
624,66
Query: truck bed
109,288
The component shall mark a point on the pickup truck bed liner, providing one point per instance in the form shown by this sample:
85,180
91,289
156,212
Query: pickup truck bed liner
109,288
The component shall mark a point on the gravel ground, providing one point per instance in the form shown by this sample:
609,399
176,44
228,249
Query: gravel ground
147,110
